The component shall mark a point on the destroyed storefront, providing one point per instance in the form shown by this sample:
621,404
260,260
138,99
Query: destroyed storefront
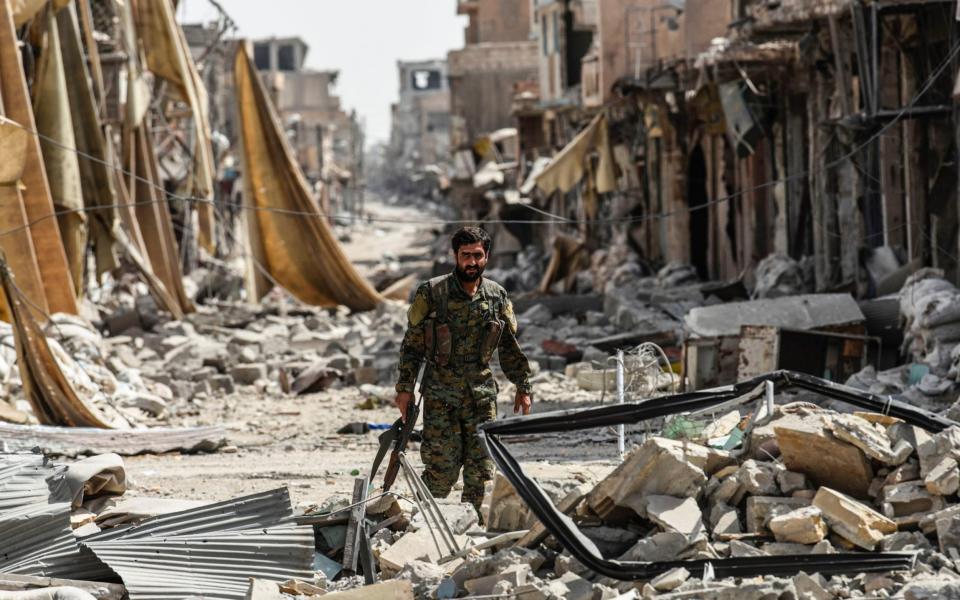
819,132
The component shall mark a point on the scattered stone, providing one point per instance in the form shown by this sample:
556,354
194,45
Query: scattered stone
801,526
670,580
221,384
761,508
760,478
675,514
248,374
943,479
870,438
791,481
853,520
658,467
515,575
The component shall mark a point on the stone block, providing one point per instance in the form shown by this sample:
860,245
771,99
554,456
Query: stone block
515,575
675,514
791,481
658,467
852,520
389,590
800,526
870,438
809,448
417,545
760,509
943,479
248,374
909,502
671,580
759,478
222,384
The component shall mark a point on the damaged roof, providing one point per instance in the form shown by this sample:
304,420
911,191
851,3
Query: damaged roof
809,311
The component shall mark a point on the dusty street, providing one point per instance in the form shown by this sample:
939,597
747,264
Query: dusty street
286,440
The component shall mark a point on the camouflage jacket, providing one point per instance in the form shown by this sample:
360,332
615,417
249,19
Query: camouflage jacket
465,374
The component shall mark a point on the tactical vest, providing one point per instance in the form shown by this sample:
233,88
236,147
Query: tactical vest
438,337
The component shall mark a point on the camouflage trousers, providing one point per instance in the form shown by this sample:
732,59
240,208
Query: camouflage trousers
451,441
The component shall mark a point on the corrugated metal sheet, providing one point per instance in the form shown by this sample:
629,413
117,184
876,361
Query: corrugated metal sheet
125,442
38,540
264,509
35,530
27,479
216,565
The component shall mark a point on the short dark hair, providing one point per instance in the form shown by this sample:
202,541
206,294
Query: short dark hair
470,235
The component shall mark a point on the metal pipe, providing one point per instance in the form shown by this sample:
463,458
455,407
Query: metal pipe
620,400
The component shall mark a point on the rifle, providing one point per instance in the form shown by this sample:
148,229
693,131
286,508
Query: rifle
398,435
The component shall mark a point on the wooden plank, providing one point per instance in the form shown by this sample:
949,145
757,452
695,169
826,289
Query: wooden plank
351,548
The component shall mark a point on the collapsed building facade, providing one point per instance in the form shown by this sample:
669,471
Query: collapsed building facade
820,131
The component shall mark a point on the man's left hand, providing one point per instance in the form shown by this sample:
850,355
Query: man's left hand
522,404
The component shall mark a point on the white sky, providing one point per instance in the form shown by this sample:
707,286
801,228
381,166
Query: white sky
363,39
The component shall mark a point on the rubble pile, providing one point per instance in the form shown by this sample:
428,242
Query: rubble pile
802,480
151,368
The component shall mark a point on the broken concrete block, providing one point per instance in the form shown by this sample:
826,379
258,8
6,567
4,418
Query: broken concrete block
812,587
943,479
811,449
738,549
853,520
905,541
578,588
791,481
948,533
871,439
221,384
759,509
675,514
515,575
658,467
670,580
248,374
801,526
459,516
659,546
727,524
390,590
759,478
908,471
909,502
418,545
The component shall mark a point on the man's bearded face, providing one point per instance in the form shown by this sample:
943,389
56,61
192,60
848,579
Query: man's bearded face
471,261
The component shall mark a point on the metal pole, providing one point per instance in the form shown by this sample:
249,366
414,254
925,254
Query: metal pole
769,386
620,392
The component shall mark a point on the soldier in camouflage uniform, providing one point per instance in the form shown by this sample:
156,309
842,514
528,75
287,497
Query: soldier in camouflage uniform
455,323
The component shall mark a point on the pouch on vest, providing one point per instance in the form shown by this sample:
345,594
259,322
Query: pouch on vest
429,349
491,340
444,343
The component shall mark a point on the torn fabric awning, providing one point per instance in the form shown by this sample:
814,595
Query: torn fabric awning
568,167
288,238
568,534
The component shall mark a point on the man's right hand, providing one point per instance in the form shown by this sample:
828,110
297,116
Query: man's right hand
402,401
